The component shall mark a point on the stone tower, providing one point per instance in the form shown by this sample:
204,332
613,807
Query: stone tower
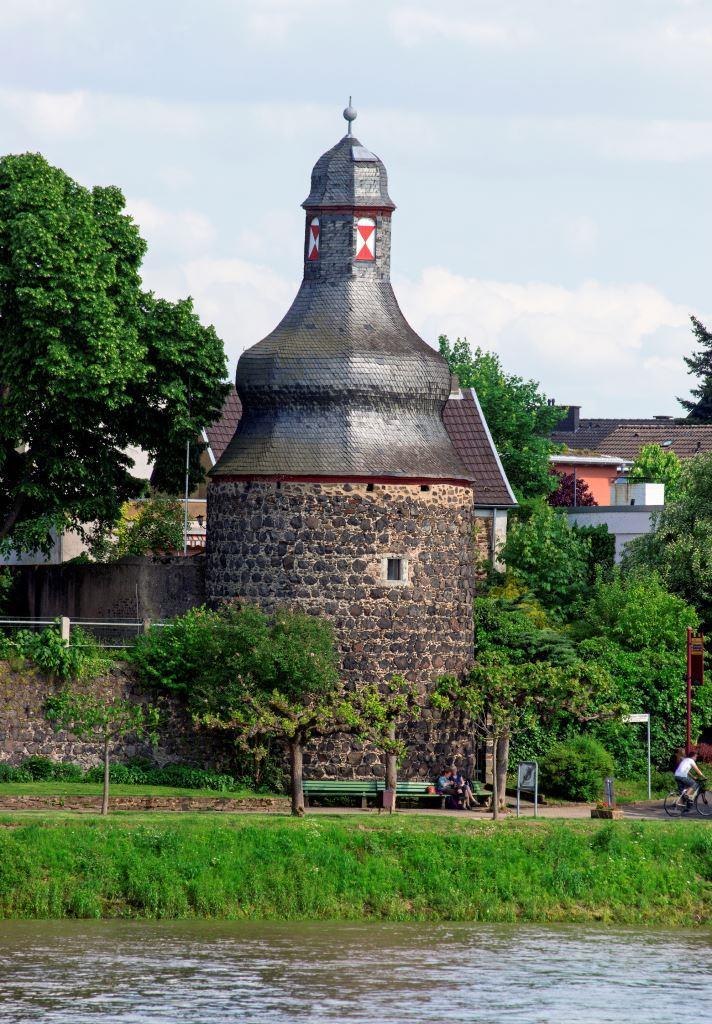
341,491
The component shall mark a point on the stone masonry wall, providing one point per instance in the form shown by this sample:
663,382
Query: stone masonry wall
323,546
24,730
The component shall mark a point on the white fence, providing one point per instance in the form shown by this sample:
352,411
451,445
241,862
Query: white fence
116,634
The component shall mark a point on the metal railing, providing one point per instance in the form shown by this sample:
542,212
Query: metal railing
114,634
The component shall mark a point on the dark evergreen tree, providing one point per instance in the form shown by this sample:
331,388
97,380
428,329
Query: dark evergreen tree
699,408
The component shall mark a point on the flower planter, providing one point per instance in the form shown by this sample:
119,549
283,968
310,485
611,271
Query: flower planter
606,812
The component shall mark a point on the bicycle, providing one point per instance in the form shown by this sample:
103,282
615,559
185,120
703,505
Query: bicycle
675,803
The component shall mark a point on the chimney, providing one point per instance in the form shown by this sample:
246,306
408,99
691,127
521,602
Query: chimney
570,421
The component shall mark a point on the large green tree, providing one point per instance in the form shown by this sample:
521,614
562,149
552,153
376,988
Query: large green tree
517,412
90,364
679,547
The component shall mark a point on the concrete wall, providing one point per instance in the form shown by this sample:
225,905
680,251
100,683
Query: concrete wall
624,521
134,588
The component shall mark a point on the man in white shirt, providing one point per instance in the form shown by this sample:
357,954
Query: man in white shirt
685,766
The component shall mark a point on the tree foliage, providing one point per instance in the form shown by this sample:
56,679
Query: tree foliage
516,411
658,466
571,492
679,547
89,363
699,364
262,678
547,555
155,526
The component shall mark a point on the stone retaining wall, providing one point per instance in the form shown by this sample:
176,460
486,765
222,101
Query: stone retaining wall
92,804
24,730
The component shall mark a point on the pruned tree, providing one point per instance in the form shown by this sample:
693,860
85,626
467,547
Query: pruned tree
500,696
382,709
102,720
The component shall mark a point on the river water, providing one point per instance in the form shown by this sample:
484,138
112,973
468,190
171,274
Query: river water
218,972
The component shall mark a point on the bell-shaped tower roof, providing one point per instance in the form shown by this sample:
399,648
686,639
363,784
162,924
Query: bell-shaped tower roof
343,386
348,174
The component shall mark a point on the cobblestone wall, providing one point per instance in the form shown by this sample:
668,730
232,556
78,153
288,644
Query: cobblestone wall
25,732
322,546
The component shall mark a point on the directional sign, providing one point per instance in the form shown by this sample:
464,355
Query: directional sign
636,718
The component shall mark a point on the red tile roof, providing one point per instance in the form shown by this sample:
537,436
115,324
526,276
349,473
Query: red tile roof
221,432
623,439
469,433
464,422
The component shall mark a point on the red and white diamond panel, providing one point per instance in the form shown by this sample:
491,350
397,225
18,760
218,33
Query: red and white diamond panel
313,239
365,238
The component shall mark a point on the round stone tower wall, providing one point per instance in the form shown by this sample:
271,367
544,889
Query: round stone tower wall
323,547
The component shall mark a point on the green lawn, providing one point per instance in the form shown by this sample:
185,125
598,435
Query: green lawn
351,867
53,788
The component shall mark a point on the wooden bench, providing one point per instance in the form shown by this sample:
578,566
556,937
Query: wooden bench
366,789
363,788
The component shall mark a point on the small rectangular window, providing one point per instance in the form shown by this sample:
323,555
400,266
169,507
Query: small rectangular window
394,569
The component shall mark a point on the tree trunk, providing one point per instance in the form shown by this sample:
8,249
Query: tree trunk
392,765
495,787
296,758
502,768
105,794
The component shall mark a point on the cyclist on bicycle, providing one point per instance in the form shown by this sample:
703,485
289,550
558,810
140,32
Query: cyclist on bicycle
684,765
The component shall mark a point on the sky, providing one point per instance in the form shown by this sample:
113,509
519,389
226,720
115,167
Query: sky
551,163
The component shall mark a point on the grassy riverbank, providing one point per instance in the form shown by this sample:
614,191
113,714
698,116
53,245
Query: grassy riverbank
256,867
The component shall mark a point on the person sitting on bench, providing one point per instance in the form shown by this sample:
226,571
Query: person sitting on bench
454,793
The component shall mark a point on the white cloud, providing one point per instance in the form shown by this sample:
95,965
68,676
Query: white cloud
414,26
244,301
81,113
25,13
47,113
180,231
617,348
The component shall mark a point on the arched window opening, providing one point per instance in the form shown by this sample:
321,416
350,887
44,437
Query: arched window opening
365,238
313,239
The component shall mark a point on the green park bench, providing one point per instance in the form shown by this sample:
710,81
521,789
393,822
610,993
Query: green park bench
363,788
370,788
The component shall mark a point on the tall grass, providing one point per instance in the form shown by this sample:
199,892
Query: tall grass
276,869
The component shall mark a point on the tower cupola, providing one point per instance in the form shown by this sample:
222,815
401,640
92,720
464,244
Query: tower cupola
343,386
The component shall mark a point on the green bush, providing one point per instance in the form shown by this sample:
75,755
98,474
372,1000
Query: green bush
13,773
180,776
575,770
81,658
42,768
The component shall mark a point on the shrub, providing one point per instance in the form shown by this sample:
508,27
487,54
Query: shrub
81,658
180,776
575,770
42,768
12,773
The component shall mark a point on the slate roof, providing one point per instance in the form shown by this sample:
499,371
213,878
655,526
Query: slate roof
466,427
348,174
343,385
623,438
